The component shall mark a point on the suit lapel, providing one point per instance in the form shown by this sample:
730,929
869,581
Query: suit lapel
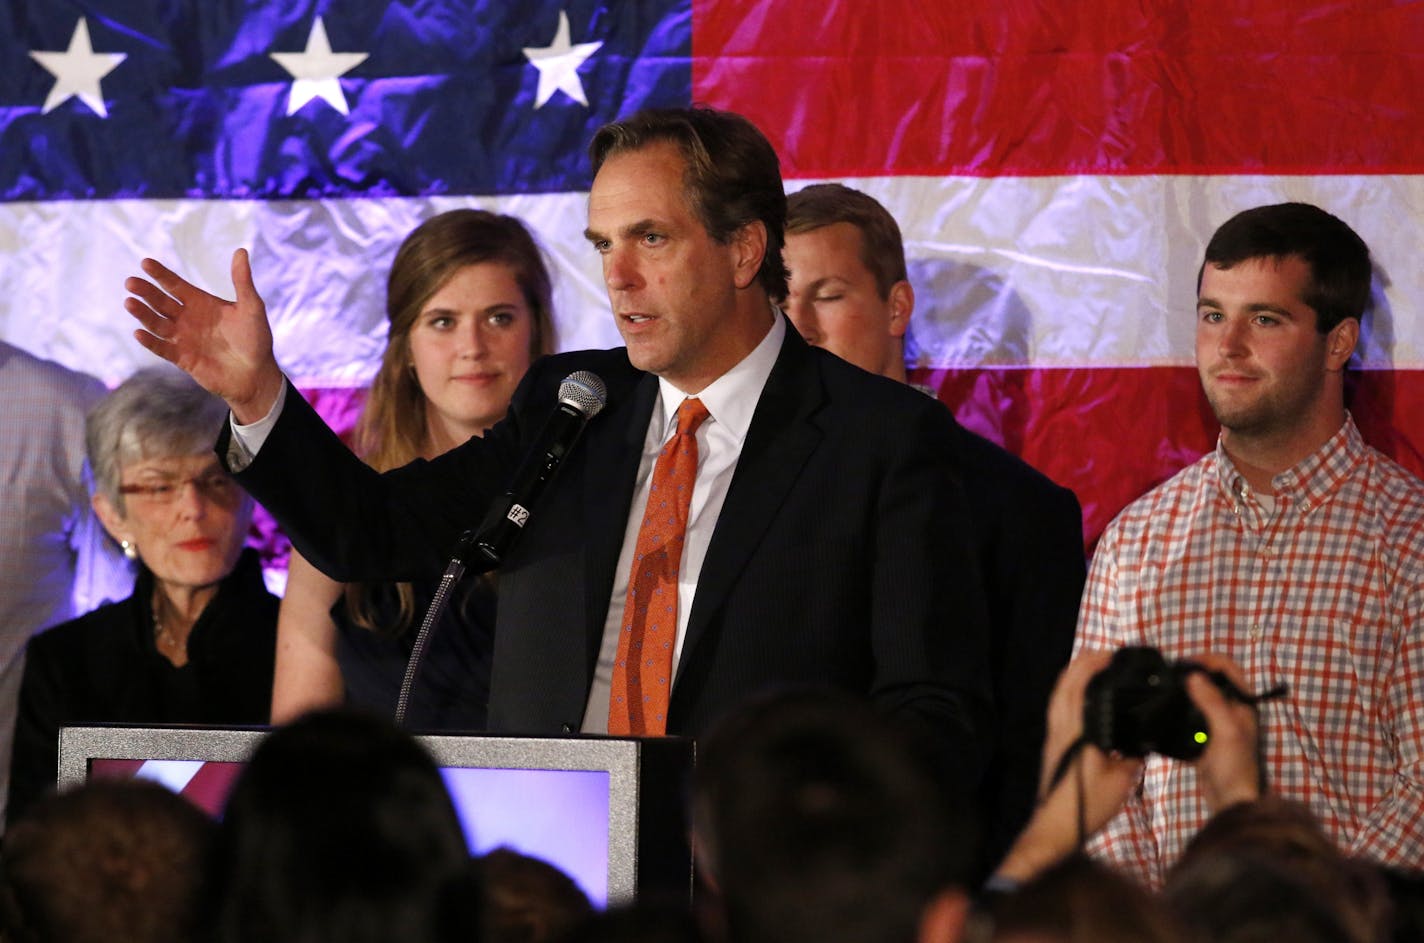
781,438
612,468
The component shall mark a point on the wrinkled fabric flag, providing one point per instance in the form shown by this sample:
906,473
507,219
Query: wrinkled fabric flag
1056,172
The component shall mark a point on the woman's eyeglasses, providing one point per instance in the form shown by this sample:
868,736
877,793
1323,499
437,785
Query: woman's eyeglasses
215,486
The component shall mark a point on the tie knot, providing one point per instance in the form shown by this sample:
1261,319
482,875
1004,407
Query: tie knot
690,415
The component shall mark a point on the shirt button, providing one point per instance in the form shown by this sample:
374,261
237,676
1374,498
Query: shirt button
1256,632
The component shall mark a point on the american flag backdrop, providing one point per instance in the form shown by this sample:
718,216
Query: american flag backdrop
1056,168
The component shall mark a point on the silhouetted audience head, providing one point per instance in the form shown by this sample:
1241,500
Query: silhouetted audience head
1406,894
1242,897
815,820
340,828
529,900
641,922
1080,900
1288,841
112,861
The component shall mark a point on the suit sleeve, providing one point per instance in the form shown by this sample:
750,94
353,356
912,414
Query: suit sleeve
355,524
1036,585
1044,572
930,620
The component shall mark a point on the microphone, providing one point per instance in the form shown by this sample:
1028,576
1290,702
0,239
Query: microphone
582,396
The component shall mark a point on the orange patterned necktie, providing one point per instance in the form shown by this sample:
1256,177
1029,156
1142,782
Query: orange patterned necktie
642,673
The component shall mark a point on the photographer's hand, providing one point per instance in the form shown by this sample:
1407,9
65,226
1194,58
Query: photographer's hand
1229,769
1095,786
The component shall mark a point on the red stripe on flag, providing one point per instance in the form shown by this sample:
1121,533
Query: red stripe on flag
211,785
114,769
1112,434
983,87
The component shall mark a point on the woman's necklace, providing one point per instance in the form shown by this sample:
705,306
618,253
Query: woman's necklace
165,641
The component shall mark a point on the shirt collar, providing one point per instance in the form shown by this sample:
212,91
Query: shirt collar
732,398
1310,481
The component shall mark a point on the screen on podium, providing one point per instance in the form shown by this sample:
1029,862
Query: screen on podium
607,812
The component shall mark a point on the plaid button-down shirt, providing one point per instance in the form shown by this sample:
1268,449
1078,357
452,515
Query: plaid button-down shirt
1324,593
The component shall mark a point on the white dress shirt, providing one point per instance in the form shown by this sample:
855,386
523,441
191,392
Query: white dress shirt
731,400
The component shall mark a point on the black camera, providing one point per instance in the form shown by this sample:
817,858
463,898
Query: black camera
1138,705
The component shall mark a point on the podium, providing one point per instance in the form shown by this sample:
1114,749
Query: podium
608,811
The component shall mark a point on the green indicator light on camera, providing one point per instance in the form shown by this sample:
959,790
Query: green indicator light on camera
1199,736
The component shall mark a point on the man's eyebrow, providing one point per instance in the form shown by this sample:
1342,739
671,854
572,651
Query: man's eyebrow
640,228
1254,307
816,285
1273,309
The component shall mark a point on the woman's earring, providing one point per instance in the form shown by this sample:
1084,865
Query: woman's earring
129,549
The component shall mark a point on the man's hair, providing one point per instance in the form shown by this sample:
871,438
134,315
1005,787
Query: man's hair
881,247
529,900
819,822
1082,899
1338,258
1288,834
1242,897
733,176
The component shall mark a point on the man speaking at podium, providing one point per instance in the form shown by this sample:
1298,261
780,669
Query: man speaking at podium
745,513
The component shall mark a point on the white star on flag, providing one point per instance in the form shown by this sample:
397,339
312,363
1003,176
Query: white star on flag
558,65
77,71
316,71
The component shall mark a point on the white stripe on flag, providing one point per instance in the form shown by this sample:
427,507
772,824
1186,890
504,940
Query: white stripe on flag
321,266
1085,271
174,775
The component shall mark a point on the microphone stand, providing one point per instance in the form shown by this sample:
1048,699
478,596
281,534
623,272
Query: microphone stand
453,571
581,396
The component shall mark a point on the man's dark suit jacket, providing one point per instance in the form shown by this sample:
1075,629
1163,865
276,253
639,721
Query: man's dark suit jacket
1028,536
841,557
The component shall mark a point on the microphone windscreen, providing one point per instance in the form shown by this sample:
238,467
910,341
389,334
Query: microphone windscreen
585,392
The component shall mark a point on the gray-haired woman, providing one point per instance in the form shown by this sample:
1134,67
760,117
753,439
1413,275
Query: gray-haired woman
195,641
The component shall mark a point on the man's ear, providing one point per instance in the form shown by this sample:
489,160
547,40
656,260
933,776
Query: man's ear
748,250
902,305
1341,342
110,517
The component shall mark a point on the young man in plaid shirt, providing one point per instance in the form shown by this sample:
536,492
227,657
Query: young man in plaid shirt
1293,548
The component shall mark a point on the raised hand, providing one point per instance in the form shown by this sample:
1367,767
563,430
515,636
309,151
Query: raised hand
1109,779
1229,770
226,346
1094,789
